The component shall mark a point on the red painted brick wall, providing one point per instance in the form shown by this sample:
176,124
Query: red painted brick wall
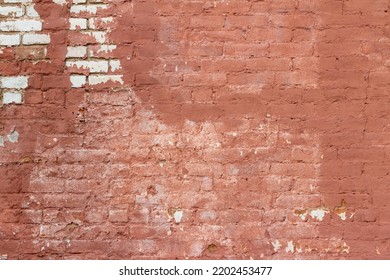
195,129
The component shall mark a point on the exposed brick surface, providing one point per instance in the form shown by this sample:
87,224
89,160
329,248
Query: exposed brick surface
194,129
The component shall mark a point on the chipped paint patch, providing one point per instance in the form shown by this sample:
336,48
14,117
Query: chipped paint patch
1,141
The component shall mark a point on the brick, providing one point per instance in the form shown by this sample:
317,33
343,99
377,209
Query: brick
11,11
76,52
12,97
17,82
78,81
35,39
21,25
9,40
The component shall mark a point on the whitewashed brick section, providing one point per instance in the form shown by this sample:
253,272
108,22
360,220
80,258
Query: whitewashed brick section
20,24
36,39
78,81
12,97
9,40
93,64
14,82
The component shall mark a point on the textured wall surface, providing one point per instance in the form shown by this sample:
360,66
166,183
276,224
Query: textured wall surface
194,129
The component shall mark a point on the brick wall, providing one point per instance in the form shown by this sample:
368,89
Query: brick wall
194,129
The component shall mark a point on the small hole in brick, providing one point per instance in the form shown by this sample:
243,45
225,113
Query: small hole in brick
212,247
385,11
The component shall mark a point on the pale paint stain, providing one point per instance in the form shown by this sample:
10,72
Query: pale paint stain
290,247
318,214
276,244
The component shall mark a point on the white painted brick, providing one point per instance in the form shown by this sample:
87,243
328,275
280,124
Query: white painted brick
12,97
100,66
79,1
21,25
31,12
78,23
78,81
11,11
35,39
9,40
15,82
91,9
77,52
60,2
101,79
